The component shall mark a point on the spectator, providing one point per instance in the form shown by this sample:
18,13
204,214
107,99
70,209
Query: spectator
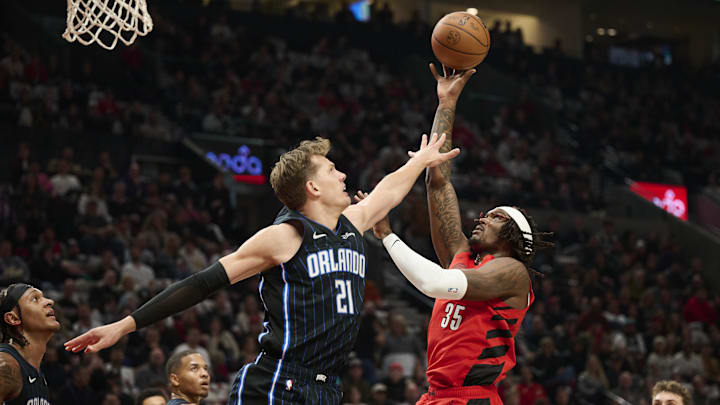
687,363
379,395
77,390
13,269
64,181
592,382
395,382
117,366
529,390
699,309
152,373
139,272
659,363
354,384
192,342
628,389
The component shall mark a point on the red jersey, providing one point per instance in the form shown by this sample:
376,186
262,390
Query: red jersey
472,342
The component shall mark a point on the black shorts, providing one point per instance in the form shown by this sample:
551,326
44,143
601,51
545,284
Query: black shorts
275,382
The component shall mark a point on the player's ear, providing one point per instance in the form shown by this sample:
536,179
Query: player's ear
312,188
174,380
11,318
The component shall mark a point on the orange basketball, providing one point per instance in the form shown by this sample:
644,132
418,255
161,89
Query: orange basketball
460,40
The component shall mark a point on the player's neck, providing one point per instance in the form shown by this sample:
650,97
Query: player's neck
480,253
190,399
34,351
322,214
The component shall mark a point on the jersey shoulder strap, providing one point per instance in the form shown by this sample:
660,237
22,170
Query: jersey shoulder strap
25,367
286,215
349,225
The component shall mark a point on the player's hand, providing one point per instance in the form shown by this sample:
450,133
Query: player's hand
429,152
382,228
449,86
99,338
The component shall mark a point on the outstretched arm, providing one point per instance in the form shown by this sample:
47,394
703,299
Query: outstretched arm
391,190
445,226
267,248
502,278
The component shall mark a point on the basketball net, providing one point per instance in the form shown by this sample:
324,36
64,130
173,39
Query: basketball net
107,21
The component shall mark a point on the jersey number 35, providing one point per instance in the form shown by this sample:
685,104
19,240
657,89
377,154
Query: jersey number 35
452,316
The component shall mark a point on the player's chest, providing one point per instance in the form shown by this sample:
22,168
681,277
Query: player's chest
334,256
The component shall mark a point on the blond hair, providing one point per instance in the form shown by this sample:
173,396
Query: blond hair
673,387
292,171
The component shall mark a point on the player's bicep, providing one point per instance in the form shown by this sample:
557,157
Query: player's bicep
10,377
269,247
502,278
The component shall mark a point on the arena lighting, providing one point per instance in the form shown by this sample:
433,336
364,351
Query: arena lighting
671,198
601,31
472,10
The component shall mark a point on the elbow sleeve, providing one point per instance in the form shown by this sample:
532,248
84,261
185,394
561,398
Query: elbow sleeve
428,277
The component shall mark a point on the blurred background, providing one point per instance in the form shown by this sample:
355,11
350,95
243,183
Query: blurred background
123,171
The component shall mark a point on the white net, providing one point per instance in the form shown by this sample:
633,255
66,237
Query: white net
107,21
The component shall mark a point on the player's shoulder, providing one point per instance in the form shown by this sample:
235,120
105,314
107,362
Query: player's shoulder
10,375
289,229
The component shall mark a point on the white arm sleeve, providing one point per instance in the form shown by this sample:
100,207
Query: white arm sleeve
426,276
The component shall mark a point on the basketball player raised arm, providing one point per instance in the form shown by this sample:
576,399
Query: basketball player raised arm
275,244
446,232
503,277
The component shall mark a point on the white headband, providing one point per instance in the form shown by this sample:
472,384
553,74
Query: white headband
521,222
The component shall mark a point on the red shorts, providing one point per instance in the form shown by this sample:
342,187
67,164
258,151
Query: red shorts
476,395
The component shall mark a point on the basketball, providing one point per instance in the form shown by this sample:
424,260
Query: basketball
460,40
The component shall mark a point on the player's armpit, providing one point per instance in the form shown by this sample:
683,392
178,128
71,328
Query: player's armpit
10,377
269,247
445,227
502,278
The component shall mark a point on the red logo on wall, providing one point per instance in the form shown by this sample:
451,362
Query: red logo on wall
672,199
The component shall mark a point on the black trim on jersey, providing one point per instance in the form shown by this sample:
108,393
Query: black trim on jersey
493,352
483,374
511,321
501,308
498,333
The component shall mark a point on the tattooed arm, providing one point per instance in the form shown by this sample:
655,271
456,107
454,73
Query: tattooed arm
10,377
445,227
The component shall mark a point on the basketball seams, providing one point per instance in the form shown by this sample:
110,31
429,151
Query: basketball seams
465,31
455,50
480,21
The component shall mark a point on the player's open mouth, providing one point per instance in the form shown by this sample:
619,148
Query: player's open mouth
51,314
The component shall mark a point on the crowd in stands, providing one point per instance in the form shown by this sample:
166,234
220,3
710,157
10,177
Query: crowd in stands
615,311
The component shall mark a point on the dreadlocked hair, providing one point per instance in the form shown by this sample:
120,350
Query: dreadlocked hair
523,249
10,333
